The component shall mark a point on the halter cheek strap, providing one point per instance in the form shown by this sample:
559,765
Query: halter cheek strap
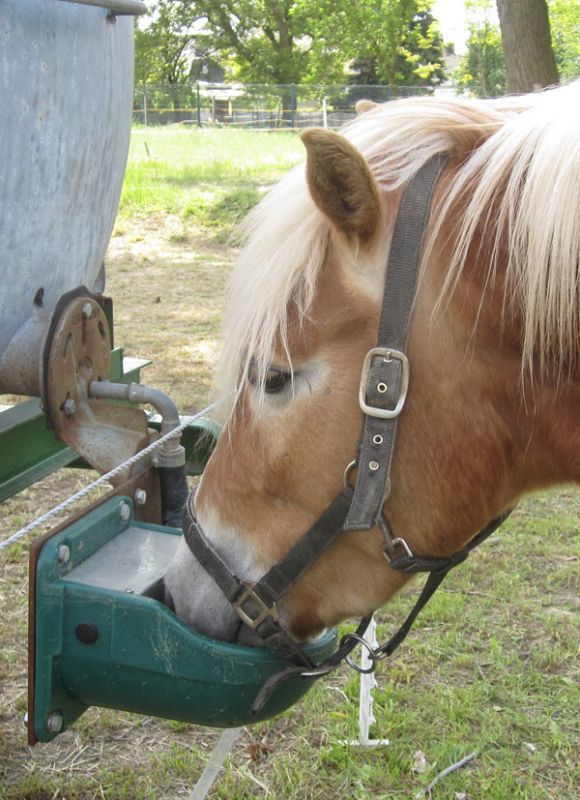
383,389
385,372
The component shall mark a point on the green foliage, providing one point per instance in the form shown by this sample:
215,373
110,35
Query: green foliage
260,40
164,48
289,41
565,27
416,58
482,69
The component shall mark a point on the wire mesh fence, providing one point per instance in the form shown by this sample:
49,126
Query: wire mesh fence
257,106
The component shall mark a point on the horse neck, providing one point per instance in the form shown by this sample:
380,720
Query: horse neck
484,433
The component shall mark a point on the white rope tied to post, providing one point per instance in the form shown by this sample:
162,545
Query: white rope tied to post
84,492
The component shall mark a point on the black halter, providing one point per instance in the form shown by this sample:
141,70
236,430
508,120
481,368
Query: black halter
383,389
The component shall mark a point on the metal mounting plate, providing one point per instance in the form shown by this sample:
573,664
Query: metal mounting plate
77,352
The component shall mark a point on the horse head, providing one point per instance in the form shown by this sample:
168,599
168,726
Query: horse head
491,410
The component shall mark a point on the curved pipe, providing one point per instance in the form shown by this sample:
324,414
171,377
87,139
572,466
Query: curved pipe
172,454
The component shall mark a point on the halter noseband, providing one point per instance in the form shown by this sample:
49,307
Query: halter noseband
382,393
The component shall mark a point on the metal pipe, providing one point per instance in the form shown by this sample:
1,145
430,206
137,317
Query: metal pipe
115,7
172,454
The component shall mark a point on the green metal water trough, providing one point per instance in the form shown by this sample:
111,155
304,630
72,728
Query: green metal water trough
95,639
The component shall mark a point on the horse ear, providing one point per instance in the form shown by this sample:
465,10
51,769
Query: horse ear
341,183
362,106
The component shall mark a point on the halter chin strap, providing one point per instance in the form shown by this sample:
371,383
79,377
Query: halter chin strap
383,389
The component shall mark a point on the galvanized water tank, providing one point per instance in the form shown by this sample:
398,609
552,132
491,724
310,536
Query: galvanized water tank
66,93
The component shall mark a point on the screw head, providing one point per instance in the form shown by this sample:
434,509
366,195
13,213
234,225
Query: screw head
125,511
54,722
63,553
69,406
87,632
140,497
87,310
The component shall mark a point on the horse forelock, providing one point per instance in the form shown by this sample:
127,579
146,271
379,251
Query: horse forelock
517,156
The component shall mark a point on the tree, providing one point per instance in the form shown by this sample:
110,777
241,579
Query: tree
385,35
481,70
420,57
292,41
525,31
422,50
165,47
565,27
262,38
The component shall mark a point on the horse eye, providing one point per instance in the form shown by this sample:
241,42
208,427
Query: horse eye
276,380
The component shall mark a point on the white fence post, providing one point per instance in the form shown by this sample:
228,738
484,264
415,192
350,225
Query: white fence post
368,682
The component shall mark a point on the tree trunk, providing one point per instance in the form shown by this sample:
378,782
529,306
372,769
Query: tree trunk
525,34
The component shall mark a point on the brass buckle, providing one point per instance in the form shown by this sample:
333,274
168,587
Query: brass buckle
263,610
389,355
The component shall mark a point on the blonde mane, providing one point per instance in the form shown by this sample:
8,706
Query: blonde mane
521,161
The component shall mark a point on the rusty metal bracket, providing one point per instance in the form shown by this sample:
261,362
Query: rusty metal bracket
76,353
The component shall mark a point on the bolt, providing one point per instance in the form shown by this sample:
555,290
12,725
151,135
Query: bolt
63,553
87,632
125,511
54,722
140,497
87,310
69,406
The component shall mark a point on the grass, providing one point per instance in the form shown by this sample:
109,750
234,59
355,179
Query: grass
208,179
491,664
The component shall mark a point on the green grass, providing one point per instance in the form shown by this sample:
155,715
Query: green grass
491,664
210,179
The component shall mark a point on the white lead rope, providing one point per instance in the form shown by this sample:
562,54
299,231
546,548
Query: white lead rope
82,493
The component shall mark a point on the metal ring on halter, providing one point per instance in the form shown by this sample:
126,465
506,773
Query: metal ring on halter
348,470
370,650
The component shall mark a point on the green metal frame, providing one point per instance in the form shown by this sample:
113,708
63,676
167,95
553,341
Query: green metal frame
144,659
30,452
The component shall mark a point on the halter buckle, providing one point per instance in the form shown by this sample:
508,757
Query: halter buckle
389,355
263,611
392,545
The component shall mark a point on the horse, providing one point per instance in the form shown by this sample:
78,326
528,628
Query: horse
491,410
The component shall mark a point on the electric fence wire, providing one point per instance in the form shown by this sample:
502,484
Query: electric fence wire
84,492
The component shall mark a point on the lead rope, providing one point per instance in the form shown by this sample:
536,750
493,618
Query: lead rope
103,479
